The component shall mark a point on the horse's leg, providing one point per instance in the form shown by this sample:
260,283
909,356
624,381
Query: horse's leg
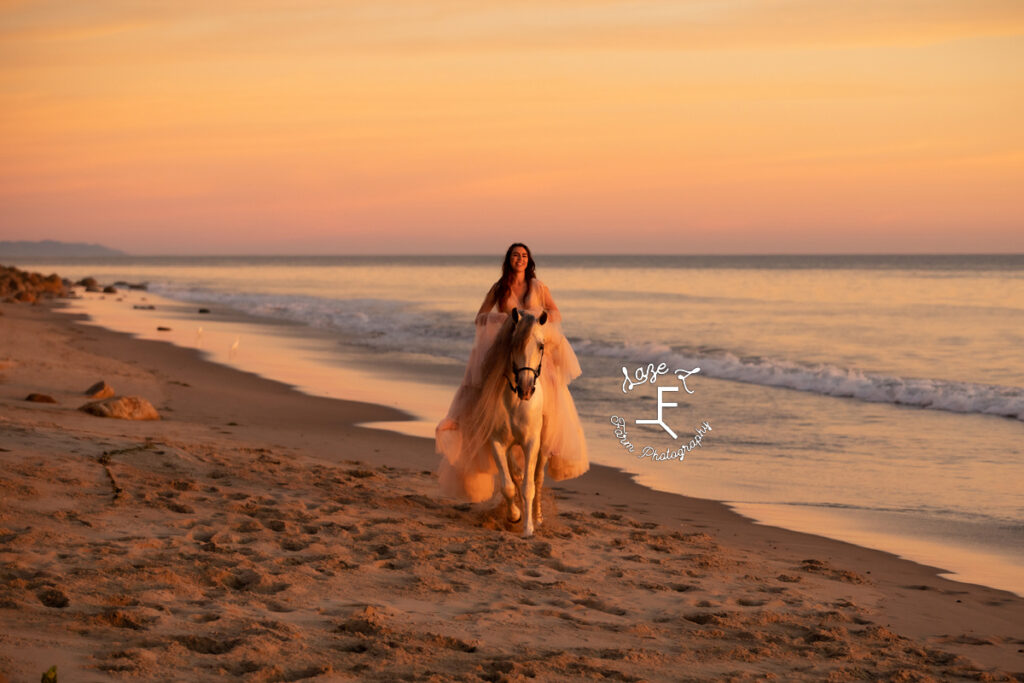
515,470
508,487
531,452
542,463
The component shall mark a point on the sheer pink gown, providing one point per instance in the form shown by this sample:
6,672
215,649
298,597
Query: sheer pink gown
467,469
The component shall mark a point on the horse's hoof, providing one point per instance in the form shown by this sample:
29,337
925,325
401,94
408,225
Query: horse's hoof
528,532
518,516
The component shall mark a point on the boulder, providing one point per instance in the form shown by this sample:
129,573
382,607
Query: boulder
10,281
100,390
21,286
52,284
40,398
123,408
53,597
110,289
88,282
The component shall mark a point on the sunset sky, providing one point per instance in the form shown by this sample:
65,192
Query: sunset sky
577,126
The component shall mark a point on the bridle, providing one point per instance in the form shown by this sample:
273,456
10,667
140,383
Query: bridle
515,388
515,373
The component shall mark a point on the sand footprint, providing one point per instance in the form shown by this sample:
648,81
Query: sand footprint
209,645
560,566
751,602
826,570
600,605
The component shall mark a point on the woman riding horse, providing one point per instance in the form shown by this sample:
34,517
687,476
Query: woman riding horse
465,439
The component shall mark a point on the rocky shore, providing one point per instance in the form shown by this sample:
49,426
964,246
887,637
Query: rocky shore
21,286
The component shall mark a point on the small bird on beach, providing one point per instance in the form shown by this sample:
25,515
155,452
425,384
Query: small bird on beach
234,348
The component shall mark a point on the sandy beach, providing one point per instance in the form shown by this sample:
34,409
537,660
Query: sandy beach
258,533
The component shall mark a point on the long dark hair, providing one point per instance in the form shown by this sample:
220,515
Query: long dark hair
505,283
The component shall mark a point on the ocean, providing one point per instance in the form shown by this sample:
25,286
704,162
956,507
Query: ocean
873,399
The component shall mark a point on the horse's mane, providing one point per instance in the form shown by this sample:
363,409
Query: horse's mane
511,338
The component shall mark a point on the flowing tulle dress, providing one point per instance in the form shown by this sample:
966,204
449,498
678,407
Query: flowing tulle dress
467,469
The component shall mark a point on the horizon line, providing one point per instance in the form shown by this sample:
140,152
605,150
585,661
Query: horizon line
491,254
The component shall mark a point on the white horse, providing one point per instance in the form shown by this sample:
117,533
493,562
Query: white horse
523,405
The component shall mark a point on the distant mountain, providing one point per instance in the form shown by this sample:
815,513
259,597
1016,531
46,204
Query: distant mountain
51,248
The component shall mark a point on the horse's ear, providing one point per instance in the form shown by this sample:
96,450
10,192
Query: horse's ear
515,315
543,318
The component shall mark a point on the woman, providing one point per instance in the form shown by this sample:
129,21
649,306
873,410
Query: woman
467,468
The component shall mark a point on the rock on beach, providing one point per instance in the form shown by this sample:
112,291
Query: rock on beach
123,408
100,390
21,286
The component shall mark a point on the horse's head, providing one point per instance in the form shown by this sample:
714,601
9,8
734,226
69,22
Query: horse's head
527,352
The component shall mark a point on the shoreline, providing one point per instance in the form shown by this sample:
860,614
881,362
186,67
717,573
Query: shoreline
317,366
225,336
968,620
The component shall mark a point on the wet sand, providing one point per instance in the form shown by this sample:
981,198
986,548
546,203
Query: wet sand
259,533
